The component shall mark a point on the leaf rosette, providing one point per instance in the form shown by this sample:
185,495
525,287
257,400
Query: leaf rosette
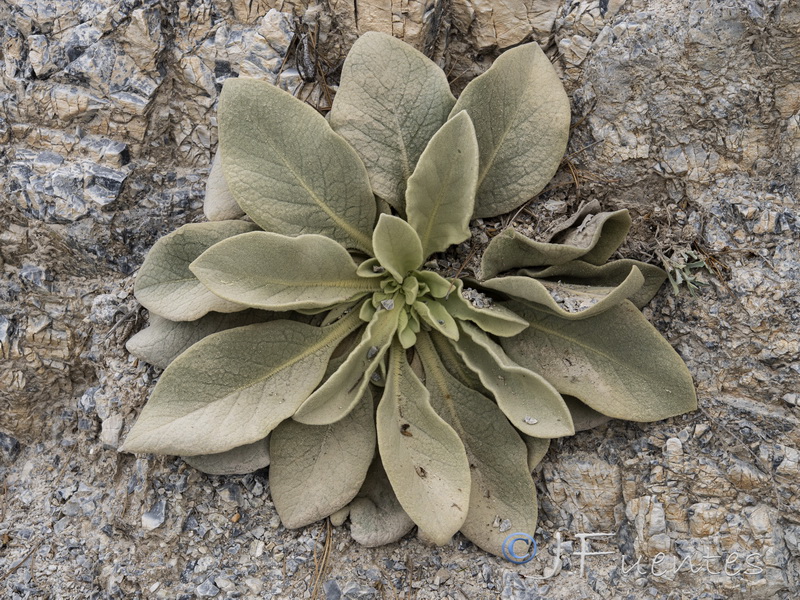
300,329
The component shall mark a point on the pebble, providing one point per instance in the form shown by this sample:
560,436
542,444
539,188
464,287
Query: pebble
207,589
155,517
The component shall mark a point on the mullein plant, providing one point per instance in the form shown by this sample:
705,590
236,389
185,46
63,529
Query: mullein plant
300,328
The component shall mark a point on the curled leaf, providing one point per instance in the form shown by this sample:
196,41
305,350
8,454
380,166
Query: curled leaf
593,241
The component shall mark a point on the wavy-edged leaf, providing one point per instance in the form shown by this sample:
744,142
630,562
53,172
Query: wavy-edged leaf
376,516
316,470
568,300
166,286
531,404
390,102
440,196
276,272
502,490
438,286
397,246
616,362
237,461
338,394
163,340
288,169
492,318
234,387
594,241
610,274
219,204
422,455
521,115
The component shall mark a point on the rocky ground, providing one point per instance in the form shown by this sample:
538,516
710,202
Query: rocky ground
686,112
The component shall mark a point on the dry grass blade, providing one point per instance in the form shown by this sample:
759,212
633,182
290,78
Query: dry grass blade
320,566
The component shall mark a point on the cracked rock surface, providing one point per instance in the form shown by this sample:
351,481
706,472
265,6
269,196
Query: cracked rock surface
685,112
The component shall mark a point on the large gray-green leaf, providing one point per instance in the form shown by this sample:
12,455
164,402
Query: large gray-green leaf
390,102
163,340
491,317
397,246
440,196
531,404
338,394
166,286
616,362
376,517
288,169
423,456
237,461
219,204
232,388
568,300
593,241
276,272
610,274
502,493
316,470
521,116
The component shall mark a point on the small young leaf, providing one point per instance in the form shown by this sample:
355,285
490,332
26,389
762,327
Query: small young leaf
339,393
568,300
531,404
521,116
502,488
166,286
593,242
276,272
376,517
437,317
164,340
397,246
316,470
233,387
219,203
494,319
390,102
440,196
423,456
288,170
616,362
237,461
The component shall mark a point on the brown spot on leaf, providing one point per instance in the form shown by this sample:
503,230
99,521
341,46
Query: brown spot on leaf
404,430
421,472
